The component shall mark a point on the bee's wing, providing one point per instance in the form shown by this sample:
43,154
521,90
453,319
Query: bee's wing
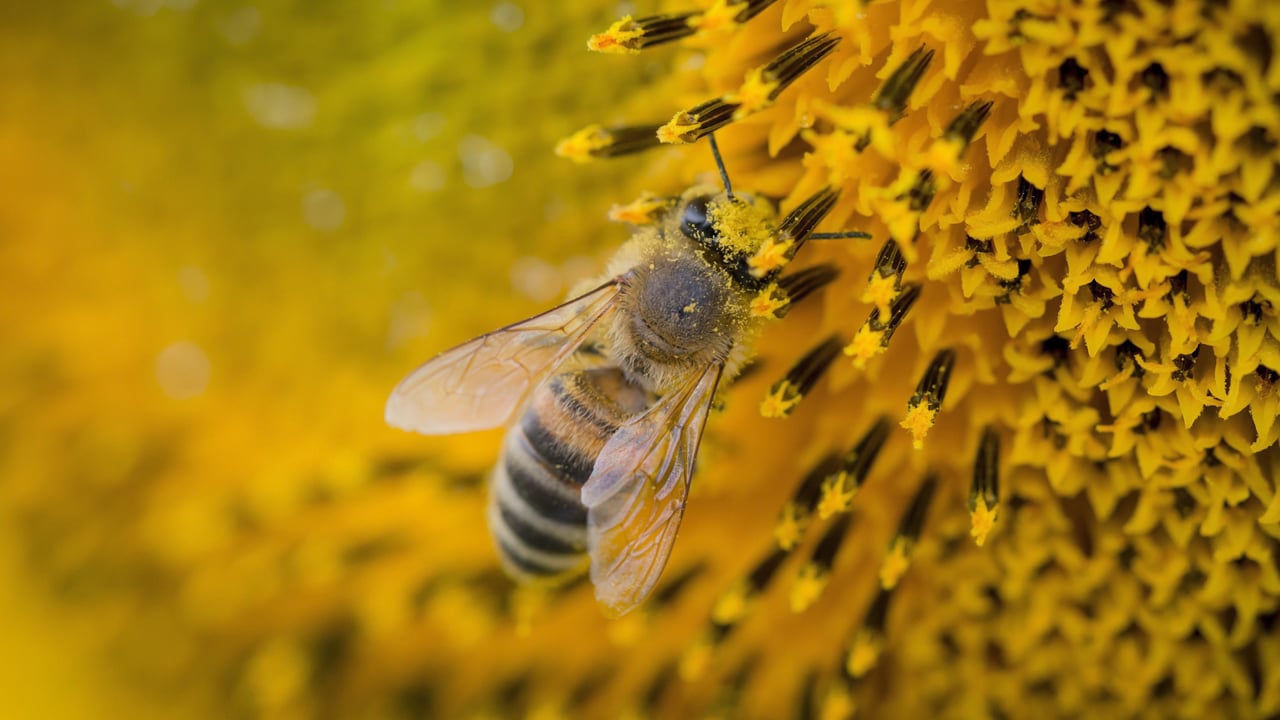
636,493
483,383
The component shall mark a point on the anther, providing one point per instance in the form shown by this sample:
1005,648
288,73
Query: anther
966,124
898,557
596,141
786,394
630,36
798,511
840,486
868,642
778,298
761,89
893,95
885,281
763,85
645,210
984,493
792,233
689,125
922,408
813,575
874,335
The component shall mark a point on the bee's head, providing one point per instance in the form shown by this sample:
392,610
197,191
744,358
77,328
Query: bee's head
728,229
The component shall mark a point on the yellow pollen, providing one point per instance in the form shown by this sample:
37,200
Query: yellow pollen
754,95
791,526
864,653
619,38
780,401
943,156
693,663
866,344
896,562
837,704
981,520
645,210
719,16
834,497
771,256
808,587
769,301
678,129
881,291
731,606
919,420
579,146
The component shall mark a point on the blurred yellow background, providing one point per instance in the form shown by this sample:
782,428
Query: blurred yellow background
226,230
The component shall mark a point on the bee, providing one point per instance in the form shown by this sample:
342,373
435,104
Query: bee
605,397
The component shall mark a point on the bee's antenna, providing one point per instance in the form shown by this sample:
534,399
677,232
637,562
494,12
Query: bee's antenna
854,234
724,174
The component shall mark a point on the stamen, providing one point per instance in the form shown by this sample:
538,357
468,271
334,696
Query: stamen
922,408
645,210
966,124
689,125
763,85
898,557
848,235
891,98
777,299
798,511
761,89
893,95
596,141
840,487
885,281
868,642
813,576
729,609
629,36
726,12
874,335
786,394
984,493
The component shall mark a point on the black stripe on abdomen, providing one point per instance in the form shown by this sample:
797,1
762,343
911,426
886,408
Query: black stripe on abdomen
539,484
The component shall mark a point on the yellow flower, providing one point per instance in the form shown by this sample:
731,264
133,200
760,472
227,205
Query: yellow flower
1020,453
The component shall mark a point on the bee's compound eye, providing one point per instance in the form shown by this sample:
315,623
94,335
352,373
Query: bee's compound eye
694,222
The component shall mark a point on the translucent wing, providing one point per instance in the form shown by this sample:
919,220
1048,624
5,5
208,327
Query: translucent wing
483,383
636,493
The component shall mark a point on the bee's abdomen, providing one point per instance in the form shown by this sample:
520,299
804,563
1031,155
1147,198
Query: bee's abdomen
535,510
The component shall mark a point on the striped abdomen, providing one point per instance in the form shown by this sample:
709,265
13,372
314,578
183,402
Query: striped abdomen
535,508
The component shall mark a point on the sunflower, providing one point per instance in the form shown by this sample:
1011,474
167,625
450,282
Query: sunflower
1013,453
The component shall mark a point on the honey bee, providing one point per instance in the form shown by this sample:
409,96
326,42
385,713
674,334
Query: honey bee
605,397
